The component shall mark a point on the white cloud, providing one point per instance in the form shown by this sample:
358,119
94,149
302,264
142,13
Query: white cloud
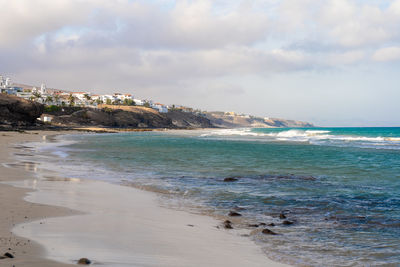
24,20
191,25
387,54
351,24
345,58
162,46
144,42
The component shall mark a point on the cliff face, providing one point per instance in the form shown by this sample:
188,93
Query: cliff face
224,120
188,120
108,117
15,111
127,117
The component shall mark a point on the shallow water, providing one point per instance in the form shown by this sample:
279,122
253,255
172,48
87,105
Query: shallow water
340,186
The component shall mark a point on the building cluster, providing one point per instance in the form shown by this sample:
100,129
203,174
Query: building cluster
6,86
82,99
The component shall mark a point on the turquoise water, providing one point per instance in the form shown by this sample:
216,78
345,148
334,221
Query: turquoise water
340,186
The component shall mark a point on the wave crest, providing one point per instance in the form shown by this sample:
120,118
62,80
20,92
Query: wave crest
314,137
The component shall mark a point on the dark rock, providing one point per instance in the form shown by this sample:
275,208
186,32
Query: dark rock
262,224
253,225
228,224
287,222
8,255
266,231
112,116
191,225
17,111
282,216
230,179
271,224
128,117
309,178
234,214
84,261
182,119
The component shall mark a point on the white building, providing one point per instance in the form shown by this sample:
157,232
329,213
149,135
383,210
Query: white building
8,82
25,95
139,102
5,82
160,107
118,97
127,97
95,97
122,97
81,95
105,97
2,82
43,89
6,86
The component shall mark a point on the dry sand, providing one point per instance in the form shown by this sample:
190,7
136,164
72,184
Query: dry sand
116,225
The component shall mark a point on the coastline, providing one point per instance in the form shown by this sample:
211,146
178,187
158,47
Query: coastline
158,236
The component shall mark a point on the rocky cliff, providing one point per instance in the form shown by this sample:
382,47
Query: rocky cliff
126,117
15,111
232,120
188,120
107,117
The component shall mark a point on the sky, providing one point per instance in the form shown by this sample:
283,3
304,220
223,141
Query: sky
329,62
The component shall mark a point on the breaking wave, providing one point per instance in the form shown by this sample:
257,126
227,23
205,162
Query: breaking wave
314,137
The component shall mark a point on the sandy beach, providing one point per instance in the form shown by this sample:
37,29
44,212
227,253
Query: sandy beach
110,224
15,210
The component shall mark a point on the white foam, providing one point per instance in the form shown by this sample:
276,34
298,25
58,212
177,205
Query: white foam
230,132
60,154
316,137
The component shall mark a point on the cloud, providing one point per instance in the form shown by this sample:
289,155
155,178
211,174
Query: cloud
387,54
346,58
162,44
144,24
156,67
331,26
23,21
351,24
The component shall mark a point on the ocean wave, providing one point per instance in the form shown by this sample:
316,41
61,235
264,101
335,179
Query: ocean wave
232,132
314,137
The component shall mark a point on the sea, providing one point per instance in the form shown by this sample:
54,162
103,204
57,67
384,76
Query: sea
338,187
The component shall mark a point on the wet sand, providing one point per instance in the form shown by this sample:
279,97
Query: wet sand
15,210
110,224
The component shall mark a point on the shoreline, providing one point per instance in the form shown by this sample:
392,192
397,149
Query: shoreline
15,210
237,250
